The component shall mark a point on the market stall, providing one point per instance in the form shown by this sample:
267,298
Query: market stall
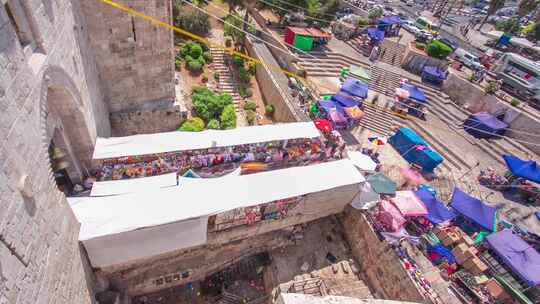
484,125
375,35
382,184
474,209
389,216
415,150
416,101
390,25
305,38
524,178
408,204
433,74
355,87
517,254
437,211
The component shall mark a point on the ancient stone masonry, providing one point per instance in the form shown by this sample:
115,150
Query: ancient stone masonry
136,64
48,85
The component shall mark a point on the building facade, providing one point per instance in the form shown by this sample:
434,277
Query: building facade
67,75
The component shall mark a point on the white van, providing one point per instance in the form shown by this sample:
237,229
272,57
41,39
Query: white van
468,59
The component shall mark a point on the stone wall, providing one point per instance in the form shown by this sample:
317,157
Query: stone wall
135,59
40,259
381,267
473,98
150,121
224,247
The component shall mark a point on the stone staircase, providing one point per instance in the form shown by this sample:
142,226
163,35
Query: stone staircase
229,298
226,83
441,109
392,52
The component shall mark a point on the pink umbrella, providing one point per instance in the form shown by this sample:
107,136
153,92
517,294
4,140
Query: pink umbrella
412,176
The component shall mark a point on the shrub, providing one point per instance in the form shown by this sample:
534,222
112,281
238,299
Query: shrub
245,92
250,106
243,75
238,61
204,78
491,87
213,124
194,66
420,45
186,49
251,117
252,68
269,110
375,13
194,124
207,56
188,58
178,64
515,102
216,76
363,21
195,50
228,42
228,118
208,105
438,50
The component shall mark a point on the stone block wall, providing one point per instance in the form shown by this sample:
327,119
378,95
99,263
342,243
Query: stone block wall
149,121
473,98
381,267
135,57
224,247
40,259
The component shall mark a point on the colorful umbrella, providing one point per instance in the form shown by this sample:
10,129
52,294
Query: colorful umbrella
378,141
323,125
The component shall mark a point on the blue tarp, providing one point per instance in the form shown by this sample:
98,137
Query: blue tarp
414,92
521,257
415,150
375,34
527,169
327,105
484,125
389,20
434,73
355,87
474,209
443,251
437,211
344,99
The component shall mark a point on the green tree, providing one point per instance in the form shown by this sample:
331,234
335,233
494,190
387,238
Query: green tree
494,6
213,124
375,13
228,118
313,7
193,20
438,50
250,105
207,104
194,124
509,25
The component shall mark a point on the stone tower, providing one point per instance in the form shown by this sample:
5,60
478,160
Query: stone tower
136,63
50,99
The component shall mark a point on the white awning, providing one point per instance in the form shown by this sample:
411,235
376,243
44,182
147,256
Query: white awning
124,186
119,228
196,197
143,144
362,161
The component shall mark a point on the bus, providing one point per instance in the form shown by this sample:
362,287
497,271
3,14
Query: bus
520,76
426,24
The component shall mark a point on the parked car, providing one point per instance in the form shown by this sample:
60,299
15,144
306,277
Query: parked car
469,60
423,36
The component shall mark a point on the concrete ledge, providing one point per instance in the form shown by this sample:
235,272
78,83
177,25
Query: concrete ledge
415,60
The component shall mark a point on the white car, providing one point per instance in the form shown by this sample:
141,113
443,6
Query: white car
468,59
410,27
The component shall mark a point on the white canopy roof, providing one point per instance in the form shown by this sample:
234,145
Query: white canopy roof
124,186
143,144
197,197
362,161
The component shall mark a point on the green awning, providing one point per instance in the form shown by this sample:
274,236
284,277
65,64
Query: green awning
304,43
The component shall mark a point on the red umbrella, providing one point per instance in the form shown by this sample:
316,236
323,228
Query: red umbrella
323,125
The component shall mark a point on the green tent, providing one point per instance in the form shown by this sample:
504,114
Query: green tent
326,97
305,43
382,184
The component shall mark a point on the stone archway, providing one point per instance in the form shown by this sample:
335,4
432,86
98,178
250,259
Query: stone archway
64,125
